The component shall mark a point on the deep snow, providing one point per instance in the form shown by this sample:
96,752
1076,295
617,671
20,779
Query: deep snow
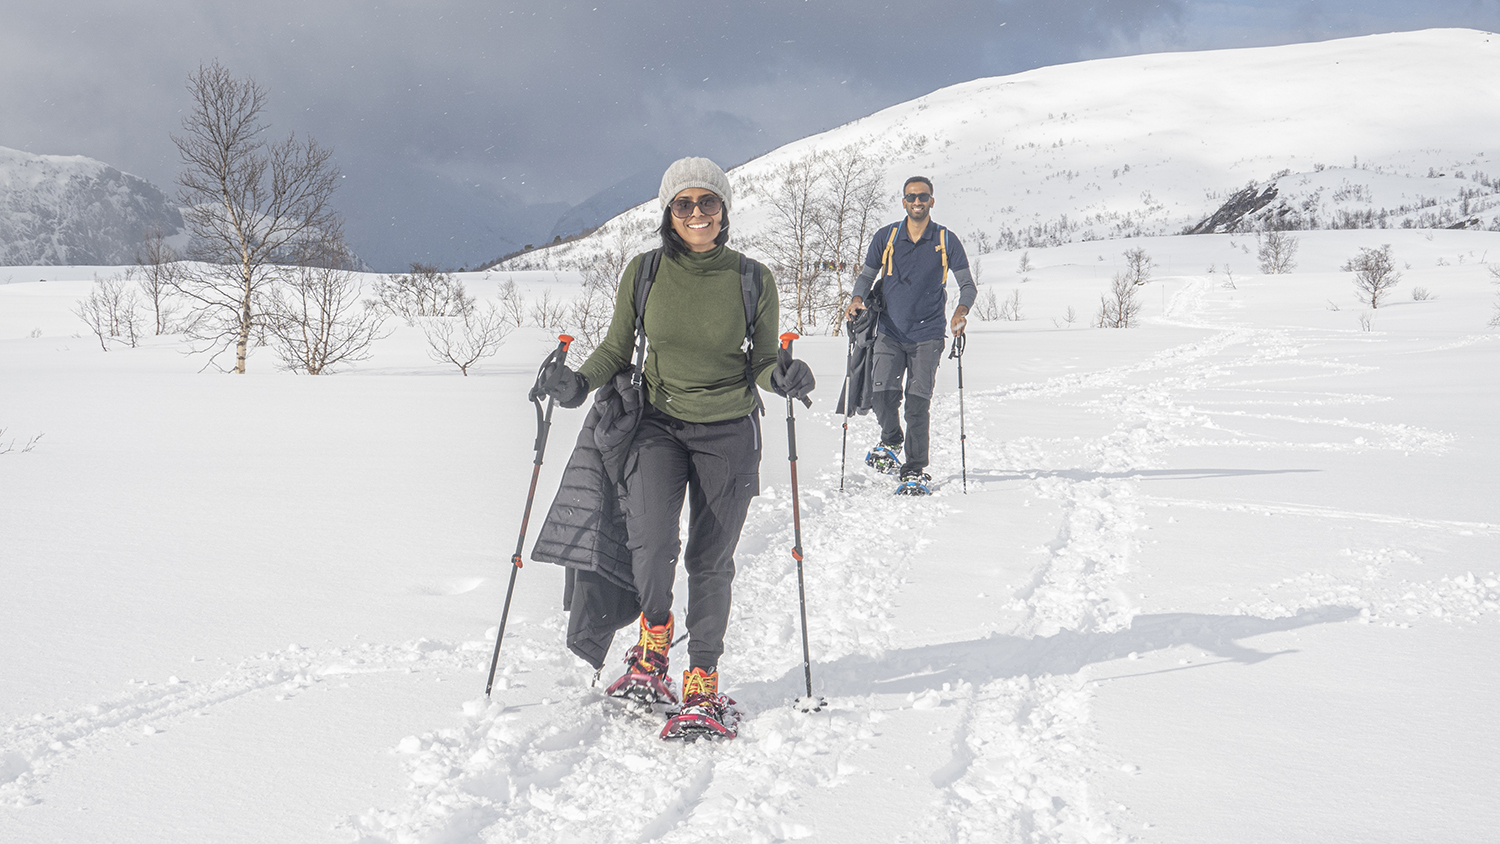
1227,576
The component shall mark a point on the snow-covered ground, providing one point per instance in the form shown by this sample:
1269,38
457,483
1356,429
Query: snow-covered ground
1228,576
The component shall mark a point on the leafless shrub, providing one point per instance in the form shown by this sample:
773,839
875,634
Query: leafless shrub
1010,309
1374,274
8,447
1420,294
1120,308
426,291
985,307
1366,321
317,321
1277,253
589,315
547,312
1070,316
1024,266
512,304
465,339
111,311
158,272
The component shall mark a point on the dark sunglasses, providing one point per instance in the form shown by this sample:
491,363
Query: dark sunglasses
709,204
918,197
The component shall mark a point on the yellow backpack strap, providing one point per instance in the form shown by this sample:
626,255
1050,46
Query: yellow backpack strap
942,248
887,264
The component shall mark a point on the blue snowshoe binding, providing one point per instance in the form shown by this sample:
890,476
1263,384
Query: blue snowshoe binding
915,483
885,459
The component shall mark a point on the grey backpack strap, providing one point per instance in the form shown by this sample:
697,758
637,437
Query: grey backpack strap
750,290
644,277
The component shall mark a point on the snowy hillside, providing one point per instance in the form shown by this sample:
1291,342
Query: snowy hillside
58,209
1381,131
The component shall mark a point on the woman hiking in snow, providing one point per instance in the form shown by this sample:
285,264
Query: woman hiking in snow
697,437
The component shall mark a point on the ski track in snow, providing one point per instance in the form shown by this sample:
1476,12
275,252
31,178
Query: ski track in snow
585,768
32,749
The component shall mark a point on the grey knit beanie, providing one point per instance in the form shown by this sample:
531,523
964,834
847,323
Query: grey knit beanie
694,173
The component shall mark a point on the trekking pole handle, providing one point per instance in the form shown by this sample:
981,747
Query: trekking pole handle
784,360
563,342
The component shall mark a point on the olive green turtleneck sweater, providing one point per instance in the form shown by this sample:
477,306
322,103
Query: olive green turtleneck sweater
695,330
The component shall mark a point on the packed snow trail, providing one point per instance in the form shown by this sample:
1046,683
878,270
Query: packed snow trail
551,759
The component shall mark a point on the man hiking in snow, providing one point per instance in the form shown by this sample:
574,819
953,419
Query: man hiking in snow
912,258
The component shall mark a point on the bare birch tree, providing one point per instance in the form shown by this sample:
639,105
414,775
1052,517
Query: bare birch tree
848,206
1374,274
249,203
793,239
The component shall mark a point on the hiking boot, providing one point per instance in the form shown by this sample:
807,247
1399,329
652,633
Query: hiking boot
705,712
645,678
884,458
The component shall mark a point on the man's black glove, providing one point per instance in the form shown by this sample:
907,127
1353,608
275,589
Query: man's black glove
794,379
564,385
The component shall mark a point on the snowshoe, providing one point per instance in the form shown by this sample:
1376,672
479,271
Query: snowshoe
705,713
645,680
643,689
915,483
885,459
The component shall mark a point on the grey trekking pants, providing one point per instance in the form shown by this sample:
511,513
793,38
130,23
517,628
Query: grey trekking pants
918,362
716,466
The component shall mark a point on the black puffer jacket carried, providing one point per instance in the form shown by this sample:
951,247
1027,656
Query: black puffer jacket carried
585,528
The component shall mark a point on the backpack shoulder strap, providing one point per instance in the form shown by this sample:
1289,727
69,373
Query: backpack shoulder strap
750,289
942,248
645,276
887,260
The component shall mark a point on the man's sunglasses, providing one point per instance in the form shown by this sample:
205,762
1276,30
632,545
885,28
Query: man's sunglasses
918,197
682,207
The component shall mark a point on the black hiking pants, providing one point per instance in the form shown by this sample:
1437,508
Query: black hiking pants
716,467
916,364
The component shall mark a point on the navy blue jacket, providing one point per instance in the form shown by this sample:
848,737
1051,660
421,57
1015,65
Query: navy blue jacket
916,293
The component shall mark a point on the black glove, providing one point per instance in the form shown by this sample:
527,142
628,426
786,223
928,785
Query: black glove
793,379
564,385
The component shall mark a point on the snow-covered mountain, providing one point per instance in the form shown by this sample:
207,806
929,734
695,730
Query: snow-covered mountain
69,209
1369,132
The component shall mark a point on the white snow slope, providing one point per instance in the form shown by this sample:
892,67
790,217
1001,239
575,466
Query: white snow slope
1227,576
1379,131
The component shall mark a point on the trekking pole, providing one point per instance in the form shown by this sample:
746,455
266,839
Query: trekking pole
543,427
958,352
848,411
784,356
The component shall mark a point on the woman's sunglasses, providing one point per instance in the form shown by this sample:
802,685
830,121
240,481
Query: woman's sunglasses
682,207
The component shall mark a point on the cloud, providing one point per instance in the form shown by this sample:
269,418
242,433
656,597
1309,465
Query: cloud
462,125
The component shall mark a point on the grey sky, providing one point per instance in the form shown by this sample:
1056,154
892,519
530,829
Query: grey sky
465,129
